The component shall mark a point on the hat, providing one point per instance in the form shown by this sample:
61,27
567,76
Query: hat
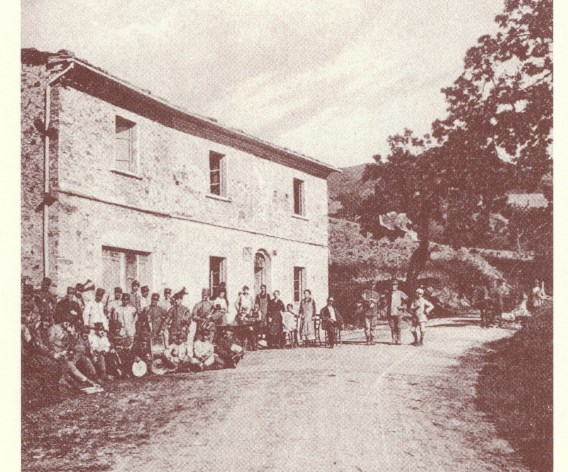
167,290
394,282
145,288
139,368
117,290
262,343
88,285
71,290
99,326
155,296
420,291
47,281
100,291
158,367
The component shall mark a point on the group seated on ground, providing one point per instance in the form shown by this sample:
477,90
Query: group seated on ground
87,338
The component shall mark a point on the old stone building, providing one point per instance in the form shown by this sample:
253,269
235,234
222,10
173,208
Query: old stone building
120,185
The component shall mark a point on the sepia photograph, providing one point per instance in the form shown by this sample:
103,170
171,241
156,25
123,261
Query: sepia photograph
286,236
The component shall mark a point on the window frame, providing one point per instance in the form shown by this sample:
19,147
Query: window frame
222,266
222,174
133,162
123,276
299,197
300,279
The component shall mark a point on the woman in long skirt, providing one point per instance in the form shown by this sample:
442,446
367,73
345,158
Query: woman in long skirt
307,314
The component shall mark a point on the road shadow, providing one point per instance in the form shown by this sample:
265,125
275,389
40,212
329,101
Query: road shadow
514,388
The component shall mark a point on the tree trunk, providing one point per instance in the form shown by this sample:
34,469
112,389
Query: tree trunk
421,254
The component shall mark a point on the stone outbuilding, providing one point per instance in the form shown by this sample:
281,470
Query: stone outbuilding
118,184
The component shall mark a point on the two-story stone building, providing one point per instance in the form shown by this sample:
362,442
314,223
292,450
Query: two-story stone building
120,185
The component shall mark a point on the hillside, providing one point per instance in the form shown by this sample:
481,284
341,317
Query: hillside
348,182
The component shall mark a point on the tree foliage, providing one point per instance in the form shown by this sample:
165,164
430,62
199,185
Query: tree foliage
496,137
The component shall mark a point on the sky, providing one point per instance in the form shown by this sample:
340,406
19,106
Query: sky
330,79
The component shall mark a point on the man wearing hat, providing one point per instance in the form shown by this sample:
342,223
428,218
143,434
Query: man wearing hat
68,308
155,315
166,303
95,311
395,301
113,304
202,311
370,309
126,316
135,298
177,319
420,308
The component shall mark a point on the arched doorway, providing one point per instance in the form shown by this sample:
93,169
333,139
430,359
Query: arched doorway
261,270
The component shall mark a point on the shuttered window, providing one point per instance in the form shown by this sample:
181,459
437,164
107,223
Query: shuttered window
125,149
121,267
217,174
299,206
299,282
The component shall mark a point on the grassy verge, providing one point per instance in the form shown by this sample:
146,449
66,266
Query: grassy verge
515,389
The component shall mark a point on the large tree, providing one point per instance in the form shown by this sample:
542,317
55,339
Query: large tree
496,137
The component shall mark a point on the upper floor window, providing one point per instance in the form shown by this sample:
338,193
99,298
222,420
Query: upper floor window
125,153
217,174
299,205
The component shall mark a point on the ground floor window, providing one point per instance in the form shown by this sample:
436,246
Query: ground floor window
217,273
122,266
299,282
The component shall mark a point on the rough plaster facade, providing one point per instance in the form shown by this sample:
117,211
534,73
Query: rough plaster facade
165,208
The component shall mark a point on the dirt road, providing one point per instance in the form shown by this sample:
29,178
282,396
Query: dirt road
353,408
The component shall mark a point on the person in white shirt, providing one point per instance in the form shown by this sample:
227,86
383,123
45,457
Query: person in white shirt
126,316
244,304
420,309
114,303
94,311
166,303
144,302
100,349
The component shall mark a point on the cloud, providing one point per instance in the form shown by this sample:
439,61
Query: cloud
331,79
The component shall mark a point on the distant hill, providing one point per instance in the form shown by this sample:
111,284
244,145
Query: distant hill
344,183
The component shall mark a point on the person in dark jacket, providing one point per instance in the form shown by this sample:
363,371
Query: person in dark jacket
330,319
275,309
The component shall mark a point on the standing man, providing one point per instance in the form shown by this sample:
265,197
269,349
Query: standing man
135,298
156,315
244,304
330,319
497,293
177,320
68,309
125,320
262,300
307,314
95,311
144,302
420,308
202,310
371,311
166,303
112,305
395,301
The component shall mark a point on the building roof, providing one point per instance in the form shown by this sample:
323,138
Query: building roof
96,81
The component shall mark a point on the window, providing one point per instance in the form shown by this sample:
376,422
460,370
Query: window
217,273
299,207
121,267
299,282
217,174
125,155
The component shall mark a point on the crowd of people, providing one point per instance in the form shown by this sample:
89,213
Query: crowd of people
90,337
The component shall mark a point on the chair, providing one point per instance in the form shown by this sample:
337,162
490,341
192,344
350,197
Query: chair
290,340
337,336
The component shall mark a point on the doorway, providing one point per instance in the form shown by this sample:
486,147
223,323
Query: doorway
261,270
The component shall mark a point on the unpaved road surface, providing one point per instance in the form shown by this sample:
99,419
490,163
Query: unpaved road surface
352,408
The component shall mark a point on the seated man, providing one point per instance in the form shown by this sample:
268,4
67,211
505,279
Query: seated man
69,308
59,342
331,319
203,354
104,361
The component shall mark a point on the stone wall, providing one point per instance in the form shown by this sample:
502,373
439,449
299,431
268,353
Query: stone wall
173,174
180,250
